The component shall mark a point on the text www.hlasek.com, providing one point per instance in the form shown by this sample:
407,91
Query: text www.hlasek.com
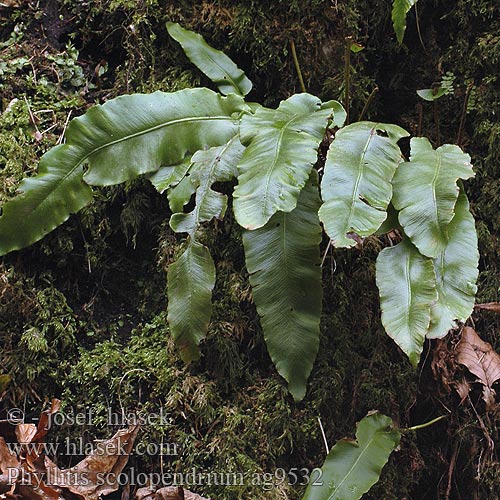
80,447
192,478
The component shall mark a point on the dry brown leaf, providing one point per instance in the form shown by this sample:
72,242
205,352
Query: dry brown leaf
44,421
9,3
442,365
166,493
481,360
489,306
15,472
463,388
97,474
38,478
7,459
25,433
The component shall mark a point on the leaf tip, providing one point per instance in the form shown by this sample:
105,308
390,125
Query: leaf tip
189,352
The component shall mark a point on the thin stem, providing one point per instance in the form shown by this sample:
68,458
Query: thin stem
464,113
427,424
326,252
418,28
367,104
297,66
453,461
347,76
420,119
437,122
324,436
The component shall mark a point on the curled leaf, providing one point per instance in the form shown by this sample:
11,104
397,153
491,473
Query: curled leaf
481,360
431,94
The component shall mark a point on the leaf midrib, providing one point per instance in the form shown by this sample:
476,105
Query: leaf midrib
363,450
355,196
270,170
117,141
408,292
433,186
233,83
210,178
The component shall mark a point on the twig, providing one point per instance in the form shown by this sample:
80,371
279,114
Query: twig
61,137
297,65
49,129
491,443
489,306
453,461
326,252
32,116
324,436
418,28
464,113
367,104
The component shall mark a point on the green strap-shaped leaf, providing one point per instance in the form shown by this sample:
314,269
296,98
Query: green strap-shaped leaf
166,177
282,149
456,272
191,280
126,137
212,62
195,269
46,201
356,186
180,195
400,9
353,467
283,261
390,223
136,134
407,286
214,165
425,193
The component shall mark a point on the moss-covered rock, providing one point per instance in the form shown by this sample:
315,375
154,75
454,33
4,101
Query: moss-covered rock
82,312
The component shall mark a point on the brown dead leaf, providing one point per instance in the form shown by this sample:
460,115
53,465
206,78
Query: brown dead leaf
9,3
167,493
35,477
463,388
489,306
97,474
44,421
25,433
481,360
32,436
442,365
8,460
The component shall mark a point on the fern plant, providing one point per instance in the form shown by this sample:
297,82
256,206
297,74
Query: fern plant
187,141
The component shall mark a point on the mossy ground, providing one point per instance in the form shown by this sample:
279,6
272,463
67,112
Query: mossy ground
82,312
